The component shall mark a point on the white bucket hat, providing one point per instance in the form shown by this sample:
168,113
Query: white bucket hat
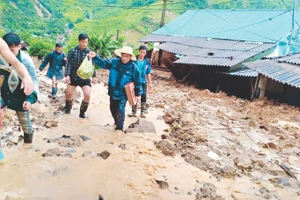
127,50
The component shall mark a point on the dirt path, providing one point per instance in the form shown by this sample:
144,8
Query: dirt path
214,147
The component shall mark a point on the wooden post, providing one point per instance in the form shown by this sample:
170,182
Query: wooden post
263,86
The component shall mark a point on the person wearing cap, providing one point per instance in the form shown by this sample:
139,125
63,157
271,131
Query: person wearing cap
144,67
56,60
122,70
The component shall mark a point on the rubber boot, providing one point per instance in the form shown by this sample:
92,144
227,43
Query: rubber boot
134,110
28,138
83,107
68,106
143,110
54,91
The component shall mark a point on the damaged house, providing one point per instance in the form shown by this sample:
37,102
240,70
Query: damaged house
209,47
278,78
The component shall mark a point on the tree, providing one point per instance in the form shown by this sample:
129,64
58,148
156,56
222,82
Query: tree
39,47
104,45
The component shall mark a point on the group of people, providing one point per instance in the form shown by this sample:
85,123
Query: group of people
20,86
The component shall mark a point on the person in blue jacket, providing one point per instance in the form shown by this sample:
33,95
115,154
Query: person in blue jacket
145,69
123,70
12,94
56,59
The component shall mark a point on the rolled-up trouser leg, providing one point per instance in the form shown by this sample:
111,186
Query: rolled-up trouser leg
25,122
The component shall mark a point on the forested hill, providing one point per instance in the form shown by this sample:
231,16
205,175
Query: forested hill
132,19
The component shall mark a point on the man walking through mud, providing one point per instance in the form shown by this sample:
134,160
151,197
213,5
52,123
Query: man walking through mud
56,60
75,57
122,70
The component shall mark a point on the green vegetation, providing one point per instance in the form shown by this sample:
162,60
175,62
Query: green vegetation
131,19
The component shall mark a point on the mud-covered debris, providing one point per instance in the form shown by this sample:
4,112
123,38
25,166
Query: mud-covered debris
52,152
162,184
104,154
166,147
50,124
164,136
122,146
263,190
86,153
169,119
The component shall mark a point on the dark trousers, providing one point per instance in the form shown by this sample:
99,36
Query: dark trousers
117,109
144,95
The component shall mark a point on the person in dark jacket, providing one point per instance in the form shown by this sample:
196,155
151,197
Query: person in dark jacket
122,70
56,60
12,94
75,57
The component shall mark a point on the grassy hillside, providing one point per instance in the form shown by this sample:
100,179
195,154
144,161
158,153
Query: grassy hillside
132,18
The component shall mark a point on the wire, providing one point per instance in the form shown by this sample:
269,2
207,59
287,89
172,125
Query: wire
239,28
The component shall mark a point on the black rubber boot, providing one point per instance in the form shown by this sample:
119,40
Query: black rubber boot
28,138
143,110
83,107
134,110
68,106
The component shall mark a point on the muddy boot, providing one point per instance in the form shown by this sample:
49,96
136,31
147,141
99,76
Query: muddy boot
68,106
54,91
143,110
28,138
134,110
83,107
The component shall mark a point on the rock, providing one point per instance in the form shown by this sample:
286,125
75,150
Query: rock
252,123
164,136
267,196
142,126
84,138
100,197
169,119
50,124
271,145
162,184
264,190
166,147
86,153
104,154
201,138
52,152
229,171
122,146
68,155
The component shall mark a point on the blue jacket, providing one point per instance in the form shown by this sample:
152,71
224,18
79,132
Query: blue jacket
56,61
119,75
144,68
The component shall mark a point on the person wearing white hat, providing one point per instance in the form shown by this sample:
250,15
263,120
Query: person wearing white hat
122,71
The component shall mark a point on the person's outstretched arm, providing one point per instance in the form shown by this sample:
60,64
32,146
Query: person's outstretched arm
27,83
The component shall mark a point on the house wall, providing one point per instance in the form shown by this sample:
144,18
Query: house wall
238,86
283,92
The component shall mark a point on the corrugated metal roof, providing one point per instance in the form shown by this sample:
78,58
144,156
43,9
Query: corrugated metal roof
218,57
245,25
243,73
282,72
209,43
209,61
293,59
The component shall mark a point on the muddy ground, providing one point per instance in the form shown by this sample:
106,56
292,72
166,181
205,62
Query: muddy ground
194,144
